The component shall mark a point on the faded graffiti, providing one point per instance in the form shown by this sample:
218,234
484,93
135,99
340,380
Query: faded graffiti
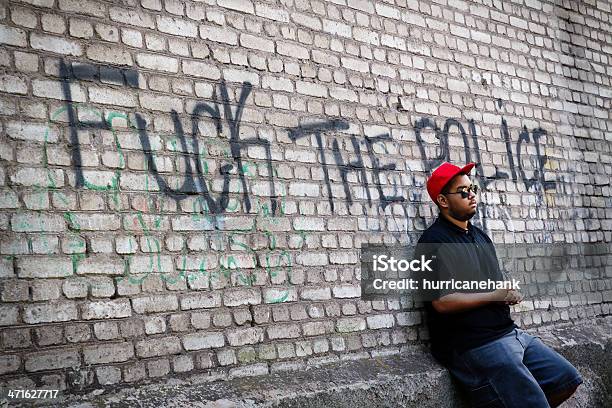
385,189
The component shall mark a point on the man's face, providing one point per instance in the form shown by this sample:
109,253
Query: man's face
459,208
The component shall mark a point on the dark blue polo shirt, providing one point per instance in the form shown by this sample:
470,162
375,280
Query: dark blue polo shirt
463,250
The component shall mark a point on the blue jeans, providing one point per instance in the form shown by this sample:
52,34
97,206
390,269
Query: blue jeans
516,370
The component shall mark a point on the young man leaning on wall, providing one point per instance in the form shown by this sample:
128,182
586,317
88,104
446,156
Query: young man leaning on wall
472,334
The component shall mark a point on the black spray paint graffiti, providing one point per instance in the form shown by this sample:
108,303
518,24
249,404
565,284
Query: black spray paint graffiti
444,155
271,261
537,181
189,186
317,129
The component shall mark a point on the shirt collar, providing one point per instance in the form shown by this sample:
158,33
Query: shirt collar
442,219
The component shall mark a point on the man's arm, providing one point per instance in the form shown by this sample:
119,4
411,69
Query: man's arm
459,302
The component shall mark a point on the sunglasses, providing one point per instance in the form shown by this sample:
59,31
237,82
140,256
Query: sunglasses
465,191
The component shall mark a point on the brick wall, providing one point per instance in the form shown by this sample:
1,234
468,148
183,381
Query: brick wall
185,185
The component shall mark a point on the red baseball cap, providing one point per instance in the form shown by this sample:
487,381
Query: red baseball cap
442,175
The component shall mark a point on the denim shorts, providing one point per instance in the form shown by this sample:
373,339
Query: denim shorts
516,370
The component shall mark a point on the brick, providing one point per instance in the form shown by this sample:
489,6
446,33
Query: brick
108,375
36,176
277,84
43,289
109,53
249,370
9,315
12,36
256,43
13,84
337,28
238,75
408,318
245,6
157,303
76,333
158,368
9,363
131,17
91,8
157,62
238,297
106,309
283,331
37,132
97,222
318,328
311,89
177,26
80,28
55,90
6,268
158,347
153,263
160,102
350,324
52,360
292,50
241,337
200,341
346,291
111,96
108,353
355,64
57,45
44,267
380,321
49,312
315,294
312,259
272,13
218,34
201,301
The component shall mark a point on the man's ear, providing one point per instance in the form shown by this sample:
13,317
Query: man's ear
442,201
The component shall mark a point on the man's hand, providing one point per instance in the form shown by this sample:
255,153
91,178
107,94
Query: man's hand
513,297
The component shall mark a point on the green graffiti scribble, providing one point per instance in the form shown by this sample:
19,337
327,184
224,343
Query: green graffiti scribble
76,258
283,297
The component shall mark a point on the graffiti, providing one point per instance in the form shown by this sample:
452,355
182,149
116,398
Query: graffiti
536,183
386,181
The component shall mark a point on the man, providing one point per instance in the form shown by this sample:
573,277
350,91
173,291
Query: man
472,333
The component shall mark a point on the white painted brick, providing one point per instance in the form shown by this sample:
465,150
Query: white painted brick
200,341
109,53
256,43
157,62
88,7
272,13
219,34
49,312
12,36
238,75
177,26
54,90
307,20
160,102
57,45
201,69
245,6
44,267
112,96
292,50
106,309
311,89
337,28
131,17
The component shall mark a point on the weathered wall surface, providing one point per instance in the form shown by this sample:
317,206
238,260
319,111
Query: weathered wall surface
185,185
